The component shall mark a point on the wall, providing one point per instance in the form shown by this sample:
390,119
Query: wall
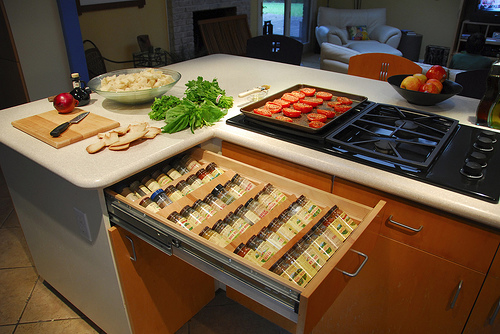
115,31
39,41
436,20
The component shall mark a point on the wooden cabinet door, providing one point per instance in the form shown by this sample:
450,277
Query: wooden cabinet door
161,292
485,318
404,290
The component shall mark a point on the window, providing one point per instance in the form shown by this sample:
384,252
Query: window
288,17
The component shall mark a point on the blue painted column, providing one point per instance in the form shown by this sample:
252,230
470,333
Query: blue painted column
73,38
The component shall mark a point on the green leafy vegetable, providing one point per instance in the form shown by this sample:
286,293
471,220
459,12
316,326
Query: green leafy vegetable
161,105
204,104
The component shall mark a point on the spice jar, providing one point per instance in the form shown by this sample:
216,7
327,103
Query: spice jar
226,231
237,223
242,182
176,218
173,193
256,207
273,238
213,236
161,198
220,192
129,194
204,176
249,216
214,170
214,202
171,172
279,227
234,189
194,181
149,205
140,189
151,183
183,187
189,162
161,178
263,249
191,215
180,168
204,209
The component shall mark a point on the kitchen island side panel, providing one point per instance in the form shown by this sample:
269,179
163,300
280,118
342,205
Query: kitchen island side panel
81,270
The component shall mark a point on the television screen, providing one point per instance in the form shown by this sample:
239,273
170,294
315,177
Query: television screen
489,5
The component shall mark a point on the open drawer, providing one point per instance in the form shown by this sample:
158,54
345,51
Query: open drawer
294,304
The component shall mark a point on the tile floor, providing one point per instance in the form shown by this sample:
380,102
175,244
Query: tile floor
29,305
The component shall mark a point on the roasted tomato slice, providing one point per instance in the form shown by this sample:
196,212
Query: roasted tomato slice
308,91
283,103
290,97
316,117
341,108
344,100
316,124
327,112
290,112
299,94
302,107
263,112
313,101
332,104
284,118
273,107
324,96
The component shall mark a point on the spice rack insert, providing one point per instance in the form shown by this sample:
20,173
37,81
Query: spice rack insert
205,158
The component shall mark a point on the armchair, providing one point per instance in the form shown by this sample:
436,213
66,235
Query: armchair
333,23
368,33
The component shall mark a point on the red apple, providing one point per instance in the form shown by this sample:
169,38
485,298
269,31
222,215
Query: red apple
421,76
438,83
411,83
429,87
436,72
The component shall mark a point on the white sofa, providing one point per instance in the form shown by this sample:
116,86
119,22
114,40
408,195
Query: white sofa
333,37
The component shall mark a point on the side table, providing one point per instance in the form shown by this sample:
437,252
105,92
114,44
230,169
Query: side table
410,44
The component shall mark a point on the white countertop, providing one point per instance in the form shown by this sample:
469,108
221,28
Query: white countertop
235,75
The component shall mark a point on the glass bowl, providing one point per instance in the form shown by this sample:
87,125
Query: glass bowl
450,88
133,96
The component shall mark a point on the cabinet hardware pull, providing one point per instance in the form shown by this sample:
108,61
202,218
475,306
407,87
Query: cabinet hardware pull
405,226
134,256
492,319
452,305
359,268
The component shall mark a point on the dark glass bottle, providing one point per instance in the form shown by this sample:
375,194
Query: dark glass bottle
490,95
82,94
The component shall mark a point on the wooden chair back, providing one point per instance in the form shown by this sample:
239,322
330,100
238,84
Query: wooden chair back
227,34
380,66
278,48
473,82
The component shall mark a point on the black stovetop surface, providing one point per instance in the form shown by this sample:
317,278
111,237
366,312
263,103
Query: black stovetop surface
443,169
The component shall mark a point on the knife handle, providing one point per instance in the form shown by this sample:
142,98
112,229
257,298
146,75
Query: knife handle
249,92
59,129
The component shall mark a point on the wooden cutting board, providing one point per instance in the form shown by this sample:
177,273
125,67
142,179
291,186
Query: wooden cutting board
39,126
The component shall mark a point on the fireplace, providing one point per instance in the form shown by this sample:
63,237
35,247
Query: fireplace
184,36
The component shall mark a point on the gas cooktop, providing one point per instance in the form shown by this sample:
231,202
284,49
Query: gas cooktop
416,144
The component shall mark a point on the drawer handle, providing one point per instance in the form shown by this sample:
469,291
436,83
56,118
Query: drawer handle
452,305
359,268
405,226
492,319
134,256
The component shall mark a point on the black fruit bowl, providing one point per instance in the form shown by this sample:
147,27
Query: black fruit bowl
450,88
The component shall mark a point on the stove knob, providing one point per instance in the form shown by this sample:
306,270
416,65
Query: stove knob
488,134
478,157
484,144
472,169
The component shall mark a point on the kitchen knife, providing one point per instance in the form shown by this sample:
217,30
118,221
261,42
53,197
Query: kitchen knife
61,128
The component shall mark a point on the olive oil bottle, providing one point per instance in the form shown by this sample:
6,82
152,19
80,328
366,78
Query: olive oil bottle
494,114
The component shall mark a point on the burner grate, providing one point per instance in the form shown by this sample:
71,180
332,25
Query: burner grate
396,134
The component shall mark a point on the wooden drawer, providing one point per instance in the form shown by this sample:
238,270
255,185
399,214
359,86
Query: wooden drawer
301,306
427,229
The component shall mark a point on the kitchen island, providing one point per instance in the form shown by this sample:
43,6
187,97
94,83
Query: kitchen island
51,187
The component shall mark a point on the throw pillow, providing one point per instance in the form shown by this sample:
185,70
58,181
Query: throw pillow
357,33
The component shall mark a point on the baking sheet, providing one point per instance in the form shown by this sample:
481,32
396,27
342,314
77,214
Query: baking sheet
302,123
